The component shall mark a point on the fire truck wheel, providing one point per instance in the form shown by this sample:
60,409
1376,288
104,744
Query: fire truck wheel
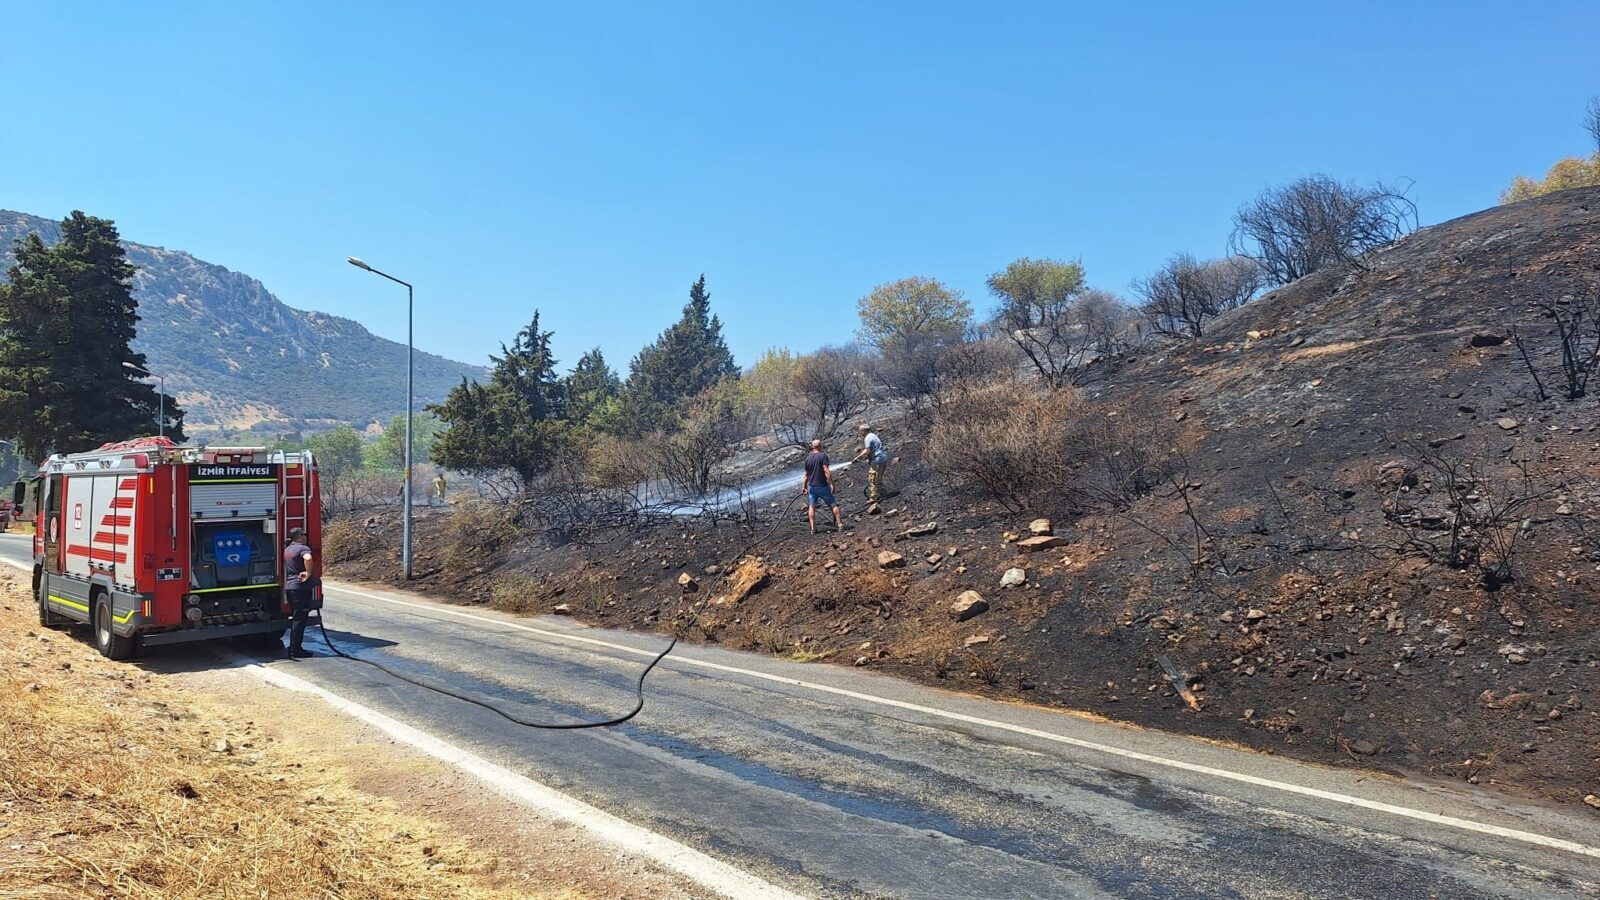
47,618
110,645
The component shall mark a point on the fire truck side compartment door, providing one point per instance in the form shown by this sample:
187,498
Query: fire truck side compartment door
52,489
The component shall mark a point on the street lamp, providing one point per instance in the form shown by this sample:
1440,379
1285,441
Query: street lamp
161,398
405,528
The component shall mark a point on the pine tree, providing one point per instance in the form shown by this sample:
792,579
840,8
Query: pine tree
515,421
67,318
685,361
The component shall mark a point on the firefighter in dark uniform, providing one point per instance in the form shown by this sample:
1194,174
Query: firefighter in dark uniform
300,586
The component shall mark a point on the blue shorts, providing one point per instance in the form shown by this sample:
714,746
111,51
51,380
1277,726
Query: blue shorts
821,494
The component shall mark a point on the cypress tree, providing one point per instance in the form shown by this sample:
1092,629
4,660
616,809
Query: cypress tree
687,359
590,385
512,422
67,318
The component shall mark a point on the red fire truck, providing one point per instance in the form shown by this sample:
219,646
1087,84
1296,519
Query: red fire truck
152,543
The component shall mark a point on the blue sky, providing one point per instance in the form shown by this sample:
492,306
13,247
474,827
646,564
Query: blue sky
592,159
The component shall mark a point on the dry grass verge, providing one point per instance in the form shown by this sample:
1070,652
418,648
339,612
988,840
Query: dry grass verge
114,785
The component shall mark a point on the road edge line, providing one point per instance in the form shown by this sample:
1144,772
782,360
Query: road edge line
704,870
1526,837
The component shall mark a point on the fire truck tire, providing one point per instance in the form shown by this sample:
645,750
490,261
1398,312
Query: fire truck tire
47,618
110,645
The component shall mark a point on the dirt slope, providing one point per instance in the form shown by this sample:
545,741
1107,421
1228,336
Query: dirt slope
1309,599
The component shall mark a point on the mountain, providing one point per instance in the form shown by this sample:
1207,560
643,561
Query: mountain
238,358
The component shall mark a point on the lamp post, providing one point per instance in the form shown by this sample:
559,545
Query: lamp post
405,528
161,397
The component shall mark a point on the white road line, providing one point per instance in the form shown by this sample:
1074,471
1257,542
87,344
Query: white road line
1526,837
713,874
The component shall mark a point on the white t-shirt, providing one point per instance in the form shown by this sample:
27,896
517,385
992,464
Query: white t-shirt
875,451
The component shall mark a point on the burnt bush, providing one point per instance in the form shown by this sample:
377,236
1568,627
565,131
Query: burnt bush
1040,450
1572,336
1316,222
1467,514
476,534
344,540
1010,441
514,593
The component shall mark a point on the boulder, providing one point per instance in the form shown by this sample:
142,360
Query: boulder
1039,542
922,530
687,582
888,559
1013,577
934,559
749,576
1040,526
563,609
1507,424
967,605
976,640
1486,339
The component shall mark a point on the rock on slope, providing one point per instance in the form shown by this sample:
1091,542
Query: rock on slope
237,357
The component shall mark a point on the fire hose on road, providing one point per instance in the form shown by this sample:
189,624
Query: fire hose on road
638,705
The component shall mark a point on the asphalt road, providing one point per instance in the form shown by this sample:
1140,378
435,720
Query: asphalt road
834,782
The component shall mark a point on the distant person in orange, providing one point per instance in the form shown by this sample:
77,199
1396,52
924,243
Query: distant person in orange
818,484
438,487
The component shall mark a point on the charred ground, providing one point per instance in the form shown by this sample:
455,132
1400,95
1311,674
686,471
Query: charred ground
1376,543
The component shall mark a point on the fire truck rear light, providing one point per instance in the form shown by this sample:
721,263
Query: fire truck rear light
147,609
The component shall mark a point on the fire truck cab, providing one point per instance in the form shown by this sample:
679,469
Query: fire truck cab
151,543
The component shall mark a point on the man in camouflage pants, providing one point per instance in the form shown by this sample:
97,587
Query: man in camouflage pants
877,460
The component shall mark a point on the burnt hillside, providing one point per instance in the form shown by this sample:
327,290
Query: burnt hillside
1374,542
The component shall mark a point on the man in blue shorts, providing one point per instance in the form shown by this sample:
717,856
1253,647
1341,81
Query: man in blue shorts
819,486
